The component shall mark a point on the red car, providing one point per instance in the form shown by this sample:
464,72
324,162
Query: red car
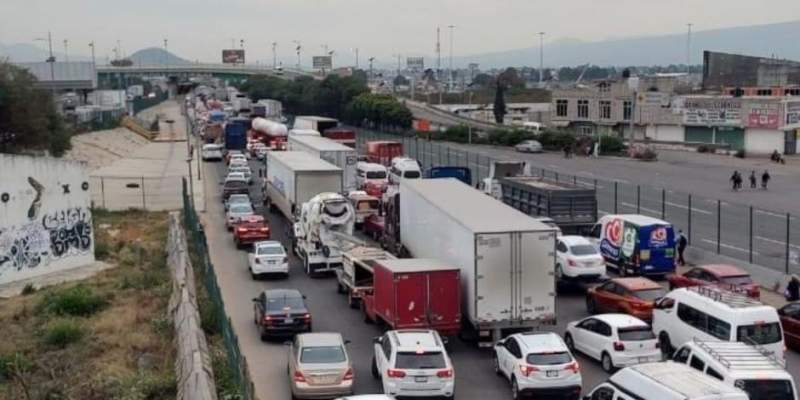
721,275
632,296
250,229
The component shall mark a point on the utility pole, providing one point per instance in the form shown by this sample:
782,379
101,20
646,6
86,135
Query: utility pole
450,80
356,57
371,59
274,55
330,54
298,48
689,48
94,64
166,51
66,50
541,58
50,60
438,55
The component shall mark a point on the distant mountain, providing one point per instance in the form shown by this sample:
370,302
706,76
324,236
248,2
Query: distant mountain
760,40
156,56
23,52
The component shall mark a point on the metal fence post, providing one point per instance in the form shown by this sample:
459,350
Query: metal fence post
689,218
719,225
448,155
575,180
595,184
751,236
638,199
788,227
615,198
663,203
416,147
144,204
103,190
556,176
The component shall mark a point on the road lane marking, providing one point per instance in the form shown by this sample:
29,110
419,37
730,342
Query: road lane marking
694,209
776,242
728,246
641,208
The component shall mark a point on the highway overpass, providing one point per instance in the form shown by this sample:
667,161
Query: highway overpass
224,71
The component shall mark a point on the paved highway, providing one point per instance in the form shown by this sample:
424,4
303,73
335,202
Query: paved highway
267,361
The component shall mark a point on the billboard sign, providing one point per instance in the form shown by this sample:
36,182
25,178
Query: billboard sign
792,112
233,56
712,112
415,63
322,62
765,116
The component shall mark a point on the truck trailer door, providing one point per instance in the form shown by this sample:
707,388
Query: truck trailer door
535,288
493,277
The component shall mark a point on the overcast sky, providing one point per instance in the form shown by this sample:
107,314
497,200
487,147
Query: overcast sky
199,29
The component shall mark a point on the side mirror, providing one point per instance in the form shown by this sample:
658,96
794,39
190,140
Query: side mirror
376,340
347,341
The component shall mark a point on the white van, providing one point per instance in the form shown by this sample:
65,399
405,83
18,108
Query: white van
708,313
370,172
405,168
663,381
761,376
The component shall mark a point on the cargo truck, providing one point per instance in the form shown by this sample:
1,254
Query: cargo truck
272,134
236,134
323,231
383,151
294,177
414,293
319,124
464,174
502,169
507,259
345,136
573,208
356,274
335,153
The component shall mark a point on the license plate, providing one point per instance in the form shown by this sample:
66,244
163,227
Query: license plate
642,359
288,320
420,379
270,262
552,374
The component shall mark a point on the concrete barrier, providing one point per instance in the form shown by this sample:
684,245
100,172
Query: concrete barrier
134,126
193,370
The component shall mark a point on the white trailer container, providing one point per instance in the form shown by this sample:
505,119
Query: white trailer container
319,124
294,177
331,151
507,259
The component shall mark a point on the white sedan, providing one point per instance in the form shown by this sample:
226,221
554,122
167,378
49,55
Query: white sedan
529,146
578,259
616,340
268,257
235,214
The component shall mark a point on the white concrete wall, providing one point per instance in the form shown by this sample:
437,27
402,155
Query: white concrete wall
672,133
763,141
45,216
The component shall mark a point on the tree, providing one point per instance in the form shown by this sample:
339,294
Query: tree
483,80
499,104
510,78
28,117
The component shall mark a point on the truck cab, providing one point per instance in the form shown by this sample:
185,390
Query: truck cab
404,168
364,205
501,169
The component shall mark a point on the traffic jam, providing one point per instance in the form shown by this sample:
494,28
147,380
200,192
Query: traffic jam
433,256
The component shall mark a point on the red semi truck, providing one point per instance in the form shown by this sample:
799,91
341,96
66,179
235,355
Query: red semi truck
345,136
414,293
383,151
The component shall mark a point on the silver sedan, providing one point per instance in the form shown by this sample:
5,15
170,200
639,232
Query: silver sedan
529,146
319,367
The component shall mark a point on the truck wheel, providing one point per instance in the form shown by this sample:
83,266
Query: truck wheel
375,373
666,345
351,301
339,288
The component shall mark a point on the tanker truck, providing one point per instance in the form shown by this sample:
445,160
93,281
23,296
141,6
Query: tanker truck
272,134
323,232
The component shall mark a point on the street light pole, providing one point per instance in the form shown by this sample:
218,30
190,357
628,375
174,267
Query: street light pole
94,63
689,48
541,58
274,55
450,79
66,50
166,53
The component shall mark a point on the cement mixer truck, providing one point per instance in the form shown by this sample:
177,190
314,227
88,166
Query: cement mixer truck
272,134
323,232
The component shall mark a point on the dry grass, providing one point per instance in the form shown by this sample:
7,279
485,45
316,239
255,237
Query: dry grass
126,351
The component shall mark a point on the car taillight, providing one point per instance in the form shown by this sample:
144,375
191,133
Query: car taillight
573,366
306,316
348,376
264,230
572,262
395,373
527,370
268,319
618,346
445,373
298,377
639,305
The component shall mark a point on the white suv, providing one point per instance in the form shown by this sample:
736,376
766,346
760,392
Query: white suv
538,364
414,363
578,259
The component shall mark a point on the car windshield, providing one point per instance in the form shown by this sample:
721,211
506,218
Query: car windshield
322,355
235,184
368,205
635,333
280,303
269,250
767,389
376,174
239,199
737,280
556,358
241,209
760,333
583,250
429,360
650,294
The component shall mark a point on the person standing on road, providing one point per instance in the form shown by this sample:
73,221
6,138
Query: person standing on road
682,243
765,179
792,292
753,180
736,180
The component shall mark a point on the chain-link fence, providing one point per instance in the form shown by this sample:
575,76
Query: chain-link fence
742,232
147,193
197,238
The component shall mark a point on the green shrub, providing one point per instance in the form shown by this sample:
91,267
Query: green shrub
63,333
102,250
28,289
611,145
13,363
77,301
556,140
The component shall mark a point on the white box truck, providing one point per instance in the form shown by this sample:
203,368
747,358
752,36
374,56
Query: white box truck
507,259
319,124
294,177
331,151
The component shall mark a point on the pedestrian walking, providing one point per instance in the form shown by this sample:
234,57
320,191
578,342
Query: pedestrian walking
792,292
736,180
682,243
765,179
753,180
566,149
